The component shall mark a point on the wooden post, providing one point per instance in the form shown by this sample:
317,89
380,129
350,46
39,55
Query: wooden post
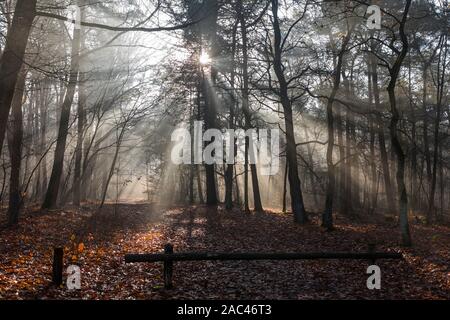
371,249
57,276
168,267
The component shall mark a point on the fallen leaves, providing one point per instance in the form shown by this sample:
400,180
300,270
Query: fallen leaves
98,242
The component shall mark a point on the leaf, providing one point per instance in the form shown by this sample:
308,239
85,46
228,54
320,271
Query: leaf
81,247
72,237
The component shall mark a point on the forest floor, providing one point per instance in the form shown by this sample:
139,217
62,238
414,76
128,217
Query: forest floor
97,242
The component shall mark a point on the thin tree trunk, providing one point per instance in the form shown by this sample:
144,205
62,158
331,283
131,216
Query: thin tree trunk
348,154
199,185
327,216
413,146
246,109
439,95
285,187
394,72
426,143
80,139
441,186
246,205
342,166
230,167
373,166
113,165
210,36
236,187
192,146
43,134
297,204
58,162
381,141
311,171
82,98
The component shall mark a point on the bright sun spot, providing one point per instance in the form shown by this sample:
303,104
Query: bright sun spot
204,58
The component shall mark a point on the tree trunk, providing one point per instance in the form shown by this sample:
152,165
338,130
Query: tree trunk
394,72
246,108
12,58
43,135
297,204
348,153
210,36
15,198
285,186
81,122
382,142
373,166
246,205
342,167
80,139
210,123
426,143
413,144
199,185
437,121
327,216
230,167
312,177
110,174
58,162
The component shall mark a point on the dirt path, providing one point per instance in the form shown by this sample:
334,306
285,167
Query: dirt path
99,244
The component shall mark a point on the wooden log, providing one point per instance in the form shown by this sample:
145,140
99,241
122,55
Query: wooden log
57,270
193,256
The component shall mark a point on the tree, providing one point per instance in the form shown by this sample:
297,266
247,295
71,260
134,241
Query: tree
81,119
12,58
327,217
15,137
298,207
440,85
247,115
394,72
51,195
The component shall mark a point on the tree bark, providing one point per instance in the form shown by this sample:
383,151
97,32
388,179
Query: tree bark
246,109
81,123
51,195
440,91
426,143
297,204
15,197
382,142
394,72
79,145
12,58
348,189
413,144
327,216
230,167
373,165
110,173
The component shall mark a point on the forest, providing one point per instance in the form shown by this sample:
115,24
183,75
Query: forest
232,126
